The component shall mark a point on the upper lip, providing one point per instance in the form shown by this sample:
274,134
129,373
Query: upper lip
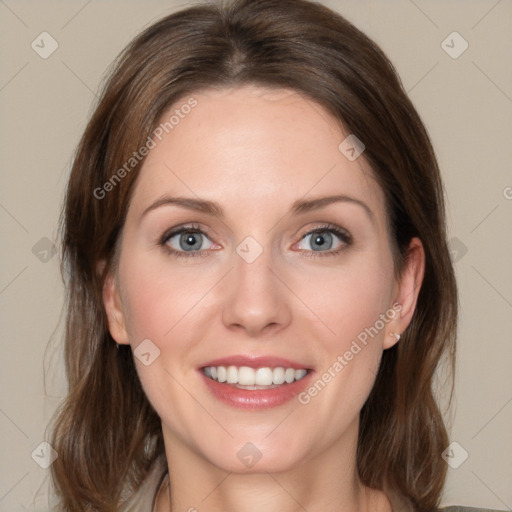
255,362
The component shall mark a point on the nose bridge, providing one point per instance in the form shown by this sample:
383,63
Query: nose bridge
255,299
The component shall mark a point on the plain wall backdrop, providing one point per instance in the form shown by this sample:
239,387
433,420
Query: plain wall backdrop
464,96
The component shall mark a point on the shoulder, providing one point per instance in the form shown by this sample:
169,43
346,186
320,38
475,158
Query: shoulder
466,509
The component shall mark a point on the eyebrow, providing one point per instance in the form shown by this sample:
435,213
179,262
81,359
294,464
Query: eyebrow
298,207
302,206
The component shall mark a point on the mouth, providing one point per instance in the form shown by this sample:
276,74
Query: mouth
255,383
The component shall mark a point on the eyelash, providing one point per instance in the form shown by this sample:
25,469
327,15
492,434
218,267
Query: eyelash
343,235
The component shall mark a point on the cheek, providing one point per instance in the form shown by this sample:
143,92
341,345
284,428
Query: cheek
165,304
161,298
350,300
354,308
353,305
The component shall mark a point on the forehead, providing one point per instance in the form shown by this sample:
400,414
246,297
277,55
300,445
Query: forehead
272,146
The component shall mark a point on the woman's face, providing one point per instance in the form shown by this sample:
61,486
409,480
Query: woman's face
256,245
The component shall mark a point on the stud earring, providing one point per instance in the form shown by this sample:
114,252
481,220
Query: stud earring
395,335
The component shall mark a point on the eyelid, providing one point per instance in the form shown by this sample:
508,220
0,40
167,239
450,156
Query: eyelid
183,228
338,230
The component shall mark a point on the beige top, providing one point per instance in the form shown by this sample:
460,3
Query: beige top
145,499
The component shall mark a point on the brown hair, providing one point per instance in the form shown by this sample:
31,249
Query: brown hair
106,433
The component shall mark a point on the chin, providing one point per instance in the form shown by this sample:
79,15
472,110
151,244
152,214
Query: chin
253,454
254,461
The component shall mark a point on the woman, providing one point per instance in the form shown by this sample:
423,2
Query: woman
260,289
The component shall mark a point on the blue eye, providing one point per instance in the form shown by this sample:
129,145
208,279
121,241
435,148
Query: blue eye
330,240
187,239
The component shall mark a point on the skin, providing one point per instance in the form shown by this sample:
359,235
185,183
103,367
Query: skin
255,151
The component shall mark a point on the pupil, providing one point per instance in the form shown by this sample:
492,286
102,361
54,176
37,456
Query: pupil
319,240
322,241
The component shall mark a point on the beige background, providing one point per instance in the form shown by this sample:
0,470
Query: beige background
465,102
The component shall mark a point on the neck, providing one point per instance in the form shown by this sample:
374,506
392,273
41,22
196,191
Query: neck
326,483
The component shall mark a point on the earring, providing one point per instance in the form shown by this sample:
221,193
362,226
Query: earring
395,335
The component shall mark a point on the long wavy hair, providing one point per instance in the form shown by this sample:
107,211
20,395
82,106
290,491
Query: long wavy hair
106,432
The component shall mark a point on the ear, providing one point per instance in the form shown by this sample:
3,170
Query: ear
114,310
407,291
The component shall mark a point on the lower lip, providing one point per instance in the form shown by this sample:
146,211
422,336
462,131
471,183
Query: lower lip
257,398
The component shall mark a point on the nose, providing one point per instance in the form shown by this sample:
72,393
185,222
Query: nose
256,301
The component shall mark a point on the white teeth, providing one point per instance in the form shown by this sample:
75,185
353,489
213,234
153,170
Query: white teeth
278,375
289,375
232,375
263,377
246,376
221,373
299,374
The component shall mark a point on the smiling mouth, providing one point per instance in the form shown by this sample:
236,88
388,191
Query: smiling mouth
245,377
